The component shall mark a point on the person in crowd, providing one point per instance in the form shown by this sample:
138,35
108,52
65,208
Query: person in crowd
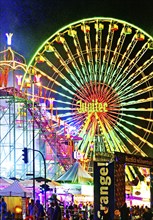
71,209
50,211
31,207
67,215
84,213
3,205
3,209
124,212
106,214
91,212
147,215
57,215
39,210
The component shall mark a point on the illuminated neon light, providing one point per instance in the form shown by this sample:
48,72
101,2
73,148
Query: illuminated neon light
9,38
93,106
37,78
19,79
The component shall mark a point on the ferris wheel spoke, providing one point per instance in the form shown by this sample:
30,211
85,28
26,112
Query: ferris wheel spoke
136,135
74,63
136,74
110,122
65,63
43,74
85,73
86,30
123,61
105,129
98,50
125,30
85,126
113,137
136,126
137,101
137,117
111,73
136,93
79,52
107,50
136,84
60,74
87,142
137,109
132,64
132,144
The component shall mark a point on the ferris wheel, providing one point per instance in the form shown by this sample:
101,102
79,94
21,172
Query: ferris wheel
98,72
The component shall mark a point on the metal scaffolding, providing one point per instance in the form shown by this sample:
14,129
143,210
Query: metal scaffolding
24,122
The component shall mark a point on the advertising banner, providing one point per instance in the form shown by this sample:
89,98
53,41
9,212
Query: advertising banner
103,190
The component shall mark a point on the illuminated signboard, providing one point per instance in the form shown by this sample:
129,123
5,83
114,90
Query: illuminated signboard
103,189
93,106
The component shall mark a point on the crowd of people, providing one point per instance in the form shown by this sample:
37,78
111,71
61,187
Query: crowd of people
133,213
57,211
136,212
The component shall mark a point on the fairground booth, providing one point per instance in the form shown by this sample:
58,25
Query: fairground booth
112,186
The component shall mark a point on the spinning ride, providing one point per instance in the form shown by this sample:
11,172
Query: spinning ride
98,74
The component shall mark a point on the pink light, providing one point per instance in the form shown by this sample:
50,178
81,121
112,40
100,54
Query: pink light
37,78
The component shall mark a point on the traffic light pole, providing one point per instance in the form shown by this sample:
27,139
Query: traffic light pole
33,137
44,173
44,161
25,150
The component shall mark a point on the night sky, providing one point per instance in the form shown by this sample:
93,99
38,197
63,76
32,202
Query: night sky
32,22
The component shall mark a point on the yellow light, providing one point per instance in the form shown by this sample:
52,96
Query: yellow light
99,26
68,135
49,48
140,36
18,209
38,84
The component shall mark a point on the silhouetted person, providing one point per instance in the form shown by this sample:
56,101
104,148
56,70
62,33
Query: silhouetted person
57,215
124,212
147,214
106,213
50,211
39,210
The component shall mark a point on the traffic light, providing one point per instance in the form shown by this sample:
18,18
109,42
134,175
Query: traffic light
25,155
44,187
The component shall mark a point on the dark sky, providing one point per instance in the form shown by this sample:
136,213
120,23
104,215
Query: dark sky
32,22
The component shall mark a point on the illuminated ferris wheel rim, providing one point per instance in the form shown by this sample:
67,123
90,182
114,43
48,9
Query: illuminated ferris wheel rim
104,19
